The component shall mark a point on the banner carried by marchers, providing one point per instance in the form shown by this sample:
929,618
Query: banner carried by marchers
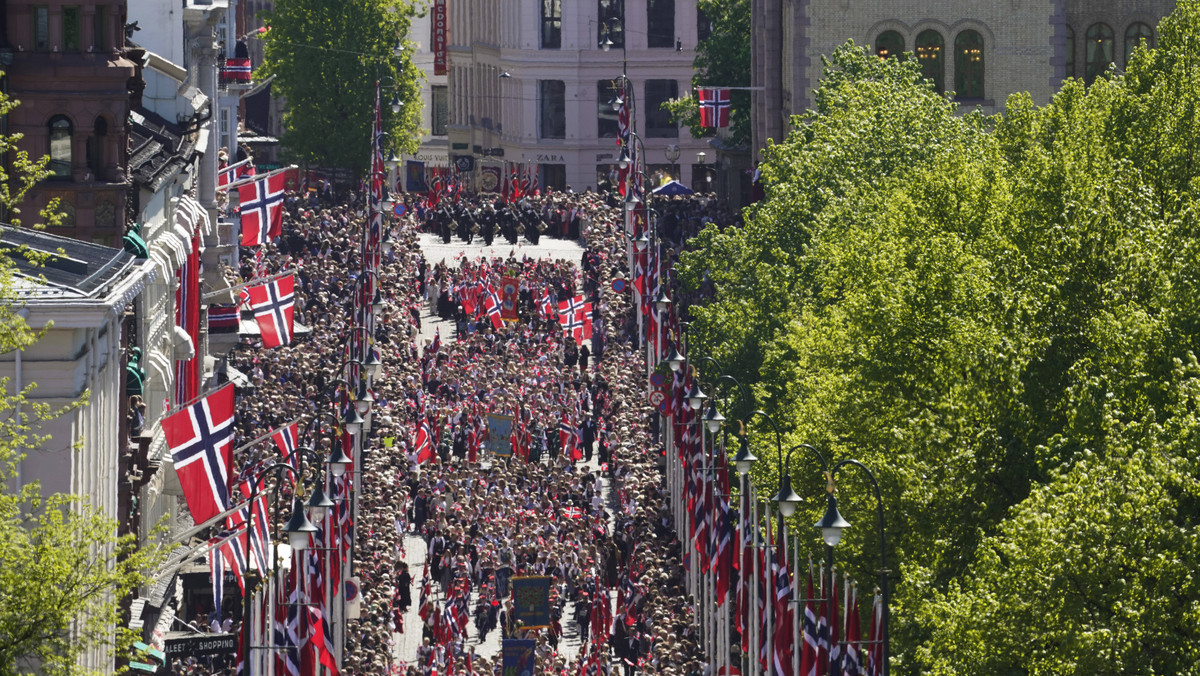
517,656
510,287
499,433
531,601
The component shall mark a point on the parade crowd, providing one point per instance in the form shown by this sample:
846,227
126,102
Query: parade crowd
577,495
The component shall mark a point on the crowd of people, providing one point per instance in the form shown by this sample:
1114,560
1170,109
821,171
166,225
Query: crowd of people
580,499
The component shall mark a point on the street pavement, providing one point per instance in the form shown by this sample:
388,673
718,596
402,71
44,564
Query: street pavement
406,643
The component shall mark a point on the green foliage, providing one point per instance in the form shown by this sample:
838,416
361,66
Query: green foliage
1000,316
722,60
21,173
62,567
327,57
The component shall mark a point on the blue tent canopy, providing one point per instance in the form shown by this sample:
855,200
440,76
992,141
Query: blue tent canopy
672,188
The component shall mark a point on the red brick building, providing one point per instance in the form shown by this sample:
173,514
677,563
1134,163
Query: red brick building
70,73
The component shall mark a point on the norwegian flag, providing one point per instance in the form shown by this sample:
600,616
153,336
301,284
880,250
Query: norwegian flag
574,305
808,651
237,70
492,302
437,342
623,118
577,326
875,656
233,558
784,635
273,306
714,107
566,436
234,172
546,305
287,441
423,444
261,203
201,441
216,566
526,183
260,537
852,643
572,512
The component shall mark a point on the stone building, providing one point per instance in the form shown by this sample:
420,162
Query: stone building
979,52
531,83
69,70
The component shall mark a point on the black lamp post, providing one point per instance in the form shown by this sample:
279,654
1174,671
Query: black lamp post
298,529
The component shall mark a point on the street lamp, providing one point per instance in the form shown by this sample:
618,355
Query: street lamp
831,524
696,396
663,302
674,359
713,418
672,154
396,103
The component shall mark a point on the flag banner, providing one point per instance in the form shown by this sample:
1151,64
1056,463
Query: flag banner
414,173
714,107
273,305
509,288
499,433
236,70
223,318
261,205
489,179
531,601
517,656
201,441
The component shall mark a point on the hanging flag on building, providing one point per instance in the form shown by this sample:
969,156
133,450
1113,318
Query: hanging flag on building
273,306
714,107
261,204
201,441
287,441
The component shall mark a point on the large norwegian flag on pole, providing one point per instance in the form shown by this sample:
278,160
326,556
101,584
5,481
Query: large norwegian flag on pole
201,441
287,441
261,204
492,302
273,306
714,107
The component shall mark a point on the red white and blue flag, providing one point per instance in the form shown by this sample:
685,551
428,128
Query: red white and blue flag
714,107
261,204
491,301
201,441
234,172
273,306
287,441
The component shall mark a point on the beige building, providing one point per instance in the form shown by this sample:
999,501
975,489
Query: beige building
980,52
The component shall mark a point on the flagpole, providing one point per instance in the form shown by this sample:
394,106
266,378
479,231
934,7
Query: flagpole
195,399
769,606
236,287
259,177
797,619
753,623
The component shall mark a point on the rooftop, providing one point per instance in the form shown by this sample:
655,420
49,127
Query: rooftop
74,270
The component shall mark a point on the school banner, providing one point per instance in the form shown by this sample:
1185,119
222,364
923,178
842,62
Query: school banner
509,288
499,431
415,174
517,656
531,601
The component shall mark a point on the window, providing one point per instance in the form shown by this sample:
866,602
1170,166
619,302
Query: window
1134,35
658,121
930,50
968,65
41,28
70,29
99,31
1099,51
889,43
660,23
612,23
553,106
554,177
703,25
1070,52
95,146
60,147
606,115
439,109
551,24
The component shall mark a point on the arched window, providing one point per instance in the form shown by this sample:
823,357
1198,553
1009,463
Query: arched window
1070,52
1099,52
889,43
1134,35
930,50
968,65
60,147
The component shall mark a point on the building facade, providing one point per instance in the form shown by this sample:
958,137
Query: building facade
531,83
980,53
66,63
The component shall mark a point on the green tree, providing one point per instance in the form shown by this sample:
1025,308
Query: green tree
327,58
722,60
1001,316
63,569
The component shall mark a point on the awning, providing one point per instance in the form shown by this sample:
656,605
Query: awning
135,245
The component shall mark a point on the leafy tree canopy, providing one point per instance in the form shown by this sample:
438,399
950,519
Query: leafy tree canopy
1001,316
327,57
